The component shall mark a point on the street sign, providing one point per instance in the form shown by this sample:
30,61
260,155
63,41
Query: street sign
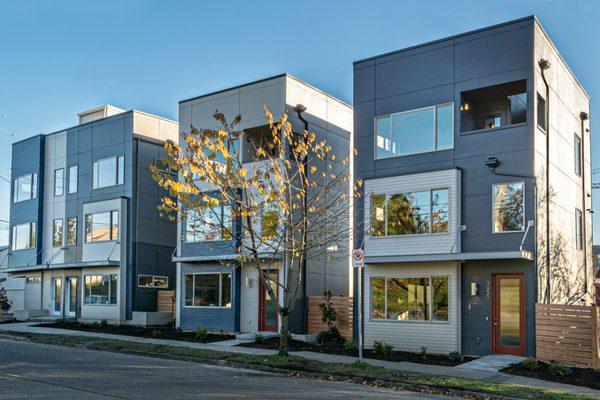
357,258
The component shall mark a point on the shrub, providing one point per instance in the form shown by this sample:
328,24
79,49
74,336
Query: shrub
350,346
156,333
103,323
5,304
382,347
529,363
424,351
61,321
201,334
328,312
455,356
95,325
178,331
558,369
259,338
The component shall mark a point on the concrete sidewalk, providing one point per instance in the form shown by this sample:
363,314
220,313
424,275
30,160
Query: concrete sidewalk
470,372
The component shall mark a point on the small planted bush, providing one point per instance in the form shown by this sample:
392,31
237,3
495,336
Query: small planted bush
424,351
383,348
95,325
61,321
455,356
201,334
558,369
156,333
259,338
103,323
350,346
530,364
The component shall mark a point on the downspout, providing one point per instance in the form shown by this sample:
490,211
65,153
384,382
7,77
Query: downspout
544,65
584,117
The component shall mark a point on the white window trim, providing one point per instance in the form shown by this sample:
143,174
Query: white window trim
153,285
33,192
410,321
435,131
116,158
109,283
494,205
220,307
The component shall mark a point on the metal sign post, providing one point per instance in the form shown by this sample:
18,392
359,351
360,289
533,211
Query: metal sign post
357,262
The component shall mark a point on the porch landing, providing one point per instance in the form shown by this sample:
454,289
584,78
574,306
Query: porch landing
492,363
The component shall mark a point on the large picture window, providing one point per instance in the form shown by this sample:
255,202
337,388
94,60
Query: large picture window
205,224
509,207
102,227
413,213
25,187
108,172
23,236
409,299
416,131
100,289
208,290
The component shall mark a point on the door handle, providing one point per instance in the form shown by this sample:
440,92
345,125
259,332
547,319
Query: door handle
495,323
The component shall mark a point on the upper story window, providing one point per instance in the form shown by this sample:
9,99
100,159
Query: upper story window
578,155
541,112
509,207
73,178
208,224
108,172
414,213
493,107
59,181
23,236
102,227
57,233
71,231
25,187
416,131
578,229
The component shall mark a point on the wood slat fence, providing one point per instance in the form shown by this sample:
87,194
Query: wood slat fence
343,306
165,301
567,333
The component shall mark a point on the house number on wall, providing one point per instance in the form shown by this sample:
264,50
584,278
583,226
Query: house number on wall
487,290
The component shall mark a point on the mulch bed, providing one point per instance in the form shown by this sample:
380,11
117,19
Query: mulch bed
157,332
339,349
587,377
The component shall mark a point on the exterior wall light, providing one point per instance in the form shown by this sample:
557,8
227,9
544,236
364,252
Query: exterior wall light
474,289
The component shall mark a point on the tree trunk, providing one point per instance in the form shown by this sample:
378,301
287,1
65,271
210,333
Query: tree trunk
283,339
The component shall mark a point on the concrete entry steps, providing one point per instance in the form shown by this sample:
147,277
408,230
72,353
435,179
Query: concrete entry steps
492,363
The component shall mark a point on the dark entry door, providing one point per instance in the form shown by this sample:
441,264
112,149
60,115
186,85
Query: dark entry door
267,311
508,314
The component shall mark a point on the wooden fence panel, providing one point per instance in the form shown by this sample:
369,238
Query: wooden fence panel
165,301
567,333
343,306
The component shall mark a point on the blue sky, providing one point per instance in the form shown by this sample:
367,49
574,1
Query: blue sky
59,58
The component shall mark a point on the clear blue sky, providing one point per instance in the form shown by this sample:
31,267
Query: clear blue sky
59,58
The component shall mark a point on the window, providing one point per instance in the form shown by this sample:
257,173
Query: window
108,172
71,231
208,290
23,236
102,227
151,281
578,158
33,279
509,207
578,229
409,299
269,221
541,112
417,131
73,178
413,213
57,233
25,187
59,181
100,289
493,107
205,224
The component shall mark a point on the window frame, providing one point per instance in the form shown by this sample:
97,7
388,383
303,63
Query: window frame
430,300
62,187
494,205
110,229
119,172
543,128
578,154
117,294
579,241
435,130
67,241
61,229
220,306
32,241
221,237
70,190
33,184
153,286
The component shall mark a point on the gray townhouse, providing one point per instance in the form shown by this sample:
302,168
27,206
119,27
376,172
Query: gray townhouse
475,152
85,234
213,289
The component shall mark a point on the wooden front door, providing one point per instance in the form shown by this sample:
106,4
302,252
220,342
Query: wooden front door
508,314
266,305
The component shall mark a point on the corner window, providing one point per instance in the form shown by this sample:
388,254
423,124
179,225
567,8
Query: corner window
409,299
152,281
208,290
25,187
100,289
208,224
493,107
57,233
541,112
416,131
71,231
73,178
24,236
413,213
578,155
578,229
59,182
102,227
108,172
509,207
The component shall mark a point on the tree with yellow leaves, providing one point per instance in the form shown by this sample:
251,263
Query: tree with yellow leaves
288,201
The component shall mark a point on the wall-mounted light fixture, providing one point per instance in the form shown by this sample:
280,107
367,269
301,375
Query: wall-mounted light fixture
474,289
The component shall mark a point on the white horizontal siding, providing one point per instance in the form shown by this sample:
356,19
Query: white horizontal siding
415,244
438,337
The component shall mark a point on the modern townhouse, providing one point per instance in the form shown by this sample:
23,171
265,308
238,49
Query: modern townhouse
85,232
475,151
213,290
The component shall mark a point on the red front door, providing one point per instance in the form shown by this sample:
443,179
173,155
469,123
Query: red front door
508,314
267,311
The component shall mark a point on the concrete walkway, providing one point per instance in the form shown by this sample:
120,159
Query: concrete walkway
470,370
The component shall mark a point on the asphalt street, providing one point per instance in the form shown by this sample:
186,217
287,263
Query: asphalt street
39,371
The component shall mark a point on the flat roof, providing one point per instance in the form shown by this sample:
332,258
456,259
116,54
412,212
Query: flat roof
487,255
83,264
